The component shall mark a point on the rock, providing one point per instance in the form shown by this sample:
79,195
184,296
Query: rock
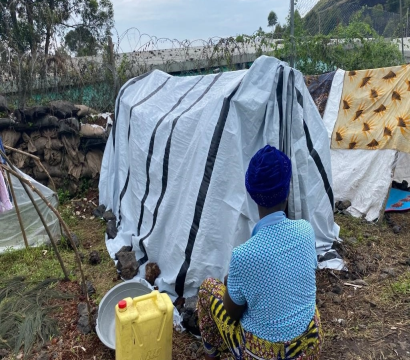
337,290
396,229
337,299
112,230
190,315
389,271
361,268
127,264
377,256
3,104
341,322
63,109
320,303
94,258
108,216
359,282
75,240
90,288
83,325
383,276
152,271
408,262
343,205
3,352
123,249
82,309
99,211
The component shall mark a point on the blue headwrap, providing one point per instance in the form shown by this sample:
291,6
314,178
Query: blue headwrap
268,177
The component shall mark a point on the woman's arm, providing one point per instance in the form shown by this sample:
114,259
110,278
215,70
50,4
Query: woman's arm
234,311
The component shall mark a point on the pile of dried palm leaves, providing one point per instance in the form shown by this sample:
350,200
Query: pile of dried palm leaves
25,308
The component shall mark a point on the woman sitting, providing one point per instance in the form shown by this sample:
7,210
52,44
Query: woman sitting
267,307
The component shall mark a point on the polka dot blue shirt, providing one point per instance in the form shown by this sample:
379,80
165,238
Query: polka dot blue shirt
274,274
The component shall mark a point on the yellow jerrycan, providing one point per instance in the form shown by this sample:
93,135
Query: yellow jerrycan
143,327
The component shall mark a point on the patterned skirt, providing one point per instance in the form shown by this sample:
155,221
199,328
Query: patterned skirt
221,334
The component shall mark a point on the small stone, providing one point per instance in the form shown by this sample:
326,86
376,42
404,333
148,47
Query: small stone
108,215
359,282
408,262
337,299
152,271
78,213
389,271
377,256
320,303
363,327
83,325
396,229
90,287
82,309
112,230
92,217
123,249
337,290
94,258
341,322
127,264
383,276
361,268
99,211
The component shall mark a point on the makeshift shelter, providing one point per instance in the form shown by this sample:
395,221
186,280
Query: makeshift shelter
174,165
11,230
367,124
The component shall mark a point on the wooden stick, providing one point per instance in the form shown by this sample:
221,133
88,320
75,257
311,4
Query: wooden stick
23,183
36,159
17,210
67,231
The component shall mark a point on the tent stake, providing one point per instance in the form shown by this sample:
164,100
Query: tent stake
17,210
68,233
60,260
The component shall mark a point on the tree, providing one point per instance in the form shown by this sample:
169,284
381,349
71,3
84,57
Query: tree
272,19
27,25
81,42
358,47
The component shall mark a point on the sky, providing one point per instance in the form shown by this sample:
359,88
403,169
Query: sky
191,19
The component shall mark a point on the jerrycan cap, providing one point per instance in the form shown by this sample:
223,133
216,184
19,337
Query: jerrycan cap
122,304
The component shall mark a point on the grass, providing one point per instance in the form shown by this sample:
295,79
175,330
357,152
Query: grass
370,313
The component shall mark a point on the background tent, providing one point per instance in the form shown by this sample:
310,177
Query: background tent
173,169
361,176
11,235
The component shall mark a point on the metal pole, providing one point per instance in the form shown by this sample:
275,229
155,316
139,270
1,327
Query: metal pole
401,30
292,32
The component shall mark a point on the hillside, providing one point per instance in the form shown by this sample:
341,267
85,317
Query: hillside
382,15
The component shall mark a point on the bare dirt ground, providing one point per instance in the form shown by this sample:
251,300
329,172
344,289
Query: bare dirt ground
369,321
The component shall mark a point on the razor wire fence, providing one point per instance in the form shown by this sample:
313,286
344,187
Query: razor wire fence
95,80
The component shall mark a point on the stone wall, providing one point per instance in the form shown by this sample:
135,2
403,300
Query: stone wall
69,140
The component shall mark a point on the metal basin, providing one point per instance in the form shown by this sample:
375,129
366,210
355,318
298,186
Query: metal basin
106,311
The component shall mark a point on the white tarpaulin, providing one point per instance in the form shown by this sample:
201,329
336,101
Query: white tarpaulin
174,166
11,235
361,176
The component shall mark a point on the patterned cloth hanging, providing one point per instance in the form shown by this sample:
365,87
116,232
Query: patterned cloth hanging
373,111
